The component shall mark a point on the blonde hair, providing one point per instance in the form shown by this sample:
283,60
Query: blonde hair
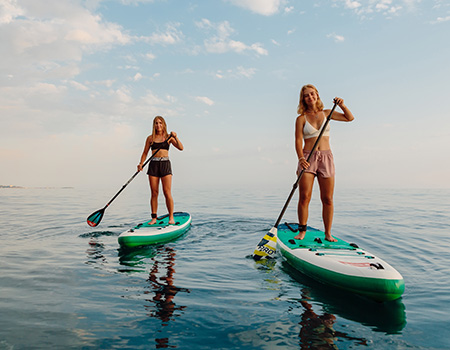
158,117
302,107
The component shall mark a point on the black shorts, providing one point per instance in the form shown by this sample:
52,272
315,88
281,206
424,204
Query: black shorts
159,168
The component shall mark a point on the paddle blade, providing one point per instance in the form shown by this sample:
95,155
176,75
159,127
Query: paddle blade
267,247
95,218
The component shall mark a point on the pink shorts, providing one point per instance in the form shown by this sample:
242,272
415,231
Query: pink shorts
321,163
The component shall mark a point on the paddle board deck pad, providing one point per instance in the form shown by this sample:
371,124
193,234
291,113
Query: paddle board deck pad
161,232
339,264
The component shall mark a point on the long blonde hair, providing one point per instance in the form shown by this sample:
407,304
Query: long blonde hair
302,107
158,117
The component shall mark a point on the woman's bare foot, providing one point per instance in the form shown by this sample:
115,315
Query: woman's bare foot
300,235
330,238
171,221
152,221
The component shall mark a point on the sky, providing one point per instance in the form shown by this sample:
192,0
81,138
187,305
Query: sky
82,80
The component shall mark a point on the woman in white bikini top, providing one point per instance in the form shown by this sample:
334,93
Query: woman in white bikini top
309,123
310,131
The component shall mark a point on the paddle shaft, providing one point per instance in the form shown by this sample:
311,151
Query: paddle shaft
294,187
135,174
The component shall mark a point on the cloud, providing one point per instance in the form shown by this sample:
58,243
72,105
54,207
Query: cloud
150,56
78,86
122,95
152,99
239,72
441,20
170,36
40,42
135,2
337,38
220,42
352,4
9,10
288,9
261,7
205,100
388,8
137,77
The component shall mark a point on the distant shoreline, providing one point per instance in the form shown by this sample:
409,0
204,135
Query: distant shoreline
44,188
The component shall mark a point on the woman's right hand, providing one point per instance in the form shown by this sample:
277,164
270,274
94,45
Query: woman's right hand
139,167
304,163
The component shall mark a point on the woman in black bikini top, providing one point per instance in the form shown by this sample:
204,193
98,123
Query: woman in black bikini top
160,169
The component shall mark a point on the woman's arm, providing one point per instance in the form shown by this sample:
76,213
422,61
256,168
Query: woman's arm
299,124
148,143
174,140
347,116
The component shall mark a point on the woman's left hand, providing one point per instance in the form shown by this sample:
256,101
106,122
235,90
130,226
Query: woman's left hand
339,101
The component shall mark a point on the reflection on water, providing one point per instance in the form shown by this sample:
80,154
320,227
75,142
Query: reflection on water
317,316
388,317
95,252
161,282
136,259
317,331
160,290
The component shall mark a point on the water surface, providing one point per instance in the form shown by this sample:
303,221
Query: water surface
66,285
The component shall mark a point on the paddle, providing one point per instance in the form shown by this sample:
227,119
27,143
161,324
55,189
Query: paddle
267,247
95,218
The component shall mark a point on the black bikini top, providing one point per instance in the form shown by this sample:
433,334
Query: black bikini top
160,145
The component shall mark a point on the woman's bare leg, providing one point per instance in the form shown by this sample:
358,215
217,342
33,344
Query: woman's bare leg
154,189
326,195
167,189
305,193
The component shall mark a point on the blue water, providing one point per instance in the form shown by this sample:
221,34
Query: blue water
65,285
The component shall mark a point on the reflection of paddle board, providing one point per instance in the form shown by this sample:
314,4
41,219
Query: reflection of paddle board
161,232
340,264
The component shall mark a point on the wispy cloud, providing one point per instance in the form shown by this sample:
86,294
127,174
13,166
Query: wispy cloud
337,38
262,7
239,72
205,100
9,10
289,9
220,41
171,35
388,8
41,42
350,4
441,20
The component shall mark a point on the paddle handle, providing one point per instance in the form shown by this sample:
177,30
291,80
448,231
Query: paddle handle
135,174
294,187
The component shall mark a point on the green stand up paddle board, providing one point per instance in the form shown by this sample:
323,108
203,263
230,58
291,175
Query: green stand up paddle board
161,232
340,264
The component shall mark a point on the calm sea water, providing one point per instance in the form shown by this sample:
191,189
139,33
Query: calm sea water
64,285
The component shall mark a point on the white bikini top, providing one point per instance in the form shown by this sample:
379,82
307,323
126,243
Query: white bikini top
310,131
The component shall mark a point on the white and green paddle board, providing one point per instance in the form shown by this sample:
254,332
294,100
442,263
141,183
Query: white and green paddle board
339,264
161,232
